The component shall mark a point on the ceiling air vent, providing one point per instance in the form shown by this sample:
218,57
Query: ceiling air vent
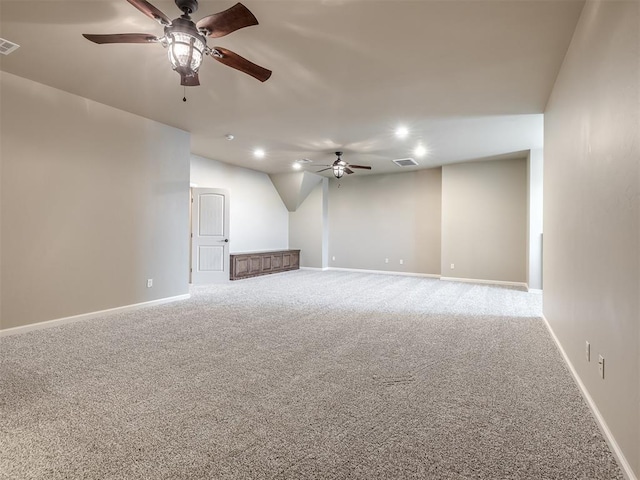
6,47
405,162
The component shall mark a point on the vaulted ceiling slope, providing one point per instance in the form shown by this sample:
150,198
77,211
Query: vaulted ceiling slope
469,79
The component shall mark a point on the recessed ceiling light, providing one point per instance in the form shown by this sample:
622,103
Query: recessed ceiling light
402,131
296,165
229,136
258,153
420,151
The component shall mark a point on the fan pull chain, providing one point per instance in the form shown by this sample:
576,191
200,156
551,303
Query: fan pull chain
184,91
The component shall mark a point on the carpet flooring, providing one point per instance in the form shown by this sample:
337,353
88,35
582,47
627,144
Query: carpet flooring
301,375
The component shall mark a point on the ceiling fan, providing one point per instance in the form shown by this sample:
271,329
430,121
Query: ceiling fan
186,41
340,167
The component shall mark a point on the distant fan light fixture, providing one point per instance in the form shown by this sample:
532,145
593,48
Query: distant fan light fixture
340,167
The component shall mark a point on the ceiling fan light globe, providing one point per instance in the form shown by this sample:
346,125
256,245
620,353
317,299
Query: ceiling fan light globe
338,171
185,52
186,46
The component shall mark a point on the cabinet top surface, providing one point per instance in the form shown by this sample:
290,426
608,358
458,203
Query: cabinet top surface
263,252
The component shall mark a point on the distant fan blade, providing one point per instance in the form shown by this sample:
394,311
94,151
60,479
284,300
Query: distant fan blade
348,170
226,22
234,60
324,169
151,11
360,166
122,38
191,81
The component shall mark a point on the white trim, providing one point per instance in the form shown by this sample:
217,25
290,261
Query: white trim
385,272
86,316
604,428
489,282
317,269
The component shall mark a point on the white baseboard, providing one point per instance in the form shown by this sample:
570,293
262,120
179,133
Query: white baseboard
86,316
317,269
604,428
488,282
385,272
426,275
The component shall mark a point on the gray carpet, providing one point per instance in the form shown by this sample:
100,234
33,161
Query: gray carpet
301,375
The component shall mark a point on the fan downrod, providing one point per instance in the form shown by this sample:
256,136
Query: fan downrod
187,6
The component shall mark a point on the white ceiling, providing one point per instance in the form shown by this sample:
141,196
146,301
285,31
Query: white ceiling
469,78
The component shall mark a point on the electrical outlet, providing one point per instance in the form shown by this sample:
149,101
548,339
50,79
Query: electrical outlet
587,351
149,282
601,366
401,262
386,260
453,266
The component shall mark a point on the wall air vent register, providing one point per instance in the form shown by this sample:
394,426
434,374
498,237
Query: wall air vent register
6,47
405,162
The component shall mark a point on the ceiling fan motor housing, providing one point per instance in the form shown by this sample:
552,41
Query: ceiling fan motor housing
184,25
187,6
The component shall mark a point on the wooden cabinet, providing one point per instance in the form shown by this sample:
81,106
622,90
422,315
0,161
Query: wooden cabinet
245,265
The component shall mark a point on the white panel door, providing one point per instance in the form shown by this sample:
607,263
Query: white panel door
209,235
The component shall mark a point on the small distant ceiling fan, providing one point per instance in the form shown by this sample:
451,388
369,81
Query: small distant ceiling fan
340,167
186,41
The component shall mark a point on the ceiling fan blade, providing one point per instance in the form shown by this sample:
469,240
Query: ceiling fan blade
151,11
122,38
324,169
360,166
348,170
226,22
234,60
191,81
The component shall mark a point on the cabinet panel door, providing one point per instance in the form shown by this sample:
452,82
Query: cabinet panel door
266,263
255,264
241,266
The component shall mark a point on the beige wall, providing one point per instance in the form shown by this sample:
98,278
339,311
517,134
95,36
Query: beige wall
484,220
307,225
386,216
258,218
94,202
592,213
535,176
